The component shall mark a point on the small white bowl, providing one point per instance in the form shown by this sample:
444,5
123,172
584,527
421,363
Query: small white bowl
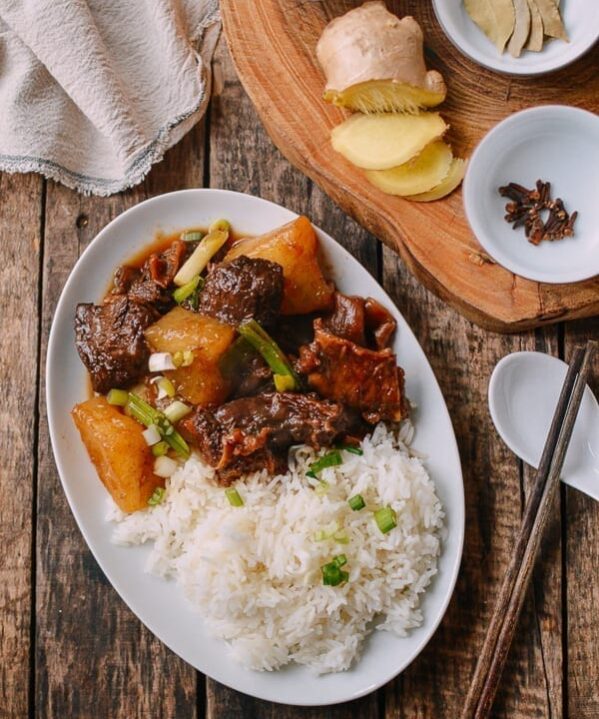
581,20
554,143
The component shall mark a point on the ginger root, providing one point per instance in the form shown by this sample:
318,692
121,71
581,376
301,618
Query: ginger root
374,62
446,186
385,140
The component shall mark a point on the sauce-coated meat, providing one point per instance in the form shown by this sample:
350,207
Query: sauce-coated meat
255,432
150,284
361,320
110,341
367,380
245,288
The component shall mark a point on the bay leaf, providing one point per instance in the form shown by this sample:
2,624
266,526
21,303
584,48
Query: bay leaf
521,28
495,18
552,21
535,39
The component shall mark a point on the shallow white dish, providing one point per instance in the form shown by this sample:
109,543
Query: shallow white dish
160,605
523,394
580,18
555,143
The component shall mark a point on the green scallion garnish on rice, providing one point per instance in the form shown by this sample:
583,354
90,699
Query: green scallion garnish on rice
331,459
234,497
356,502
351,448
332,574
157,496
386,519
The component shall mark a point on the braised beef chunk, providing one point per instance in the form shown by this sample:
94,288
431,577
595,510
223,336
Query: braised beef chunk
243,289
110,341
363,321
150,284
255,432
380,323
364,379
347,319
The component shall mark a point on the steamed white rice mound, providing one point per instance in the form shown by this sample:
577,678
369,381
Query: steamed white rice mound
254,572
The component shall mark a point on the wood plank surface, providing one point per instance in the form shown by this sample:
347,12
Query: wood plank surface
582,576
94,659
87,655
20,261
273,47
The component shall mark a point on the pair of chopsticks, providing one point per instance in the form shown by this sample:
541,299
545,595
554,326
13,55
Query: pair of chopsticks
537,511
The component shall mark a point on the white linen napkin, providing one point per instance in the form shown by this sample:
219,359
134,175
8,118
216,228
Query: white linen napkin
93,92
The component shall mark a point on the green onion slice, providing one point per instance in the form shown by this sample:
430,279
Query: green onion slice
192,236
386,519
184,292
331,459
332,574
340,560
356,502
234,497
160,449
284,382
176,411
270,350
219,226
146,414
118,397
157,496
351,448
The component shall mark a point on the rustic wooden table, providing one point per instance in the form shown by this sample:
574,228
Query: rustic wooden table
70,648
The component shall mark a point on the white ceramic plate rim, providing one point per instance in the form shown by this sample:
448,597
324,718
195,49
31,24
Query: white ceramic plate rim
522,66
586,270
297,686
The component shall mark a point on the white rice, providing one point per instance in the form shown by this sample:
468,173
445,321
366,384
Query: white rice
254,572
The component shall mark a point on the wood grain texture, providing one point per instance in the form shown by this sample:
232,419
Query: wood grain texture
20,254
242,158
582,562
272,44
435,685
93,656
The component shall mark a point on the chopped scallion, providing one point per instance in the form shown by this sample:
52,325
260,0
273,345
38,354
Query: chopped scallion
321,488
270,351
201,256
118,397
331,459
192,236
176,411
332,574
183,359
165,388
341,537
157,496
356,502
340,560
161,361
234,497
182,293
311,474
160,449
386,519
284,382
146,414
352,448
151,435
219,226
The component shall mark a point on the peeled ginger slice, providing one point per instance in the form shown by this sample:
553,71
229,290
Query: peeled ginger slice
379,142
420,174
451,181
384,96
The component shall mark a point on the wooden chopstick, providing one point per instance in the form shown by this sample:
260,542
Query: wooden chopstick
536,515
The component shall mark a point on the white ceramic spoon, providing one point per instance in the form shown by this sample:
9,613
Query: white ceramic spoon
523,394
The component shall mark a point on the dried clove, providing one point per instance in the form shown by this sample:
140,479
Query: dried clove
525,207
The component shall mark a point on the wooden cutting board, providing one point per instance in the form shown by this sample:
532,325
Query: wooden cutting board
272,43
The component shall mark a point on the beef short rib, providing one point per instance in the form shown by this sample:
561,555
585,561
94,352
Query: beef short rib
110,341
243,289
367,380
255,432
